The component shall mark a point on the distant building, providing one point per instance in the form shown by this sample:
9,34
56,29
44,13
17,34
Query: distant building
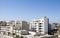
21,25
11,23
54,28
3,23
57,29
53,25
40,26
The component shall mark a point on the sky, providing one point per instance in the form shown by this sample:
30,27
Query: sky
30,9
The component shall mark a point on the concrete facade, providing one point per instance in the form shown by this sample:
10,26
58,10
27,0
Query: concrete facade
40,26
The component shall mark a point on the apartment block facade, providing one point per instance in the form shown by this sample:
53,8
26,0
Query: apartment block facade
40,26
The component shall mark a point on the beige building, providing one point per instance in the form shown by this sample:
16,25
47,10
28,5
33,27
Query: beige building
5,36
11,23
6,29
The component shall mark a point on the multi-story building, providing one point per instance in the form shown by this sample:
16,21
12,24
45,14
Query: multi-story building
21,25
6,29
40,26
25,25
13,26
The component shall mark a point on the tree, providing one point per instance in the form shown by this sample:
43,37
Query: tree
13,34
17,36
9,33
4,33
21,37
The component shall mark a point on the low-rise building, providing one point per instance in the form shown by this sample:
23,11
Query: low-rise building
5,36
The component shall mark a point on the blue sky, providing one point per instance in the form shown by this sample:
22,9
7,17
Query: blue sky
30,9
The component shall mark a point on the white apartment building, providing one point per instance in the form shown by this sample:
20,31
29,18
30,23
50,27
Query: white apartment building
6,29
40,26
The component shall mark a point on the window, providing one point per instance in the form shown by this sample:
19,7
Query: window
40,28
40,23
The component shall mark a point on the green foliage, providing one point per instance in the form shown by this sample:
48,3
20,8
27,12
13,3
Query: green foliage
9,33
17,36
21,37
13,34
